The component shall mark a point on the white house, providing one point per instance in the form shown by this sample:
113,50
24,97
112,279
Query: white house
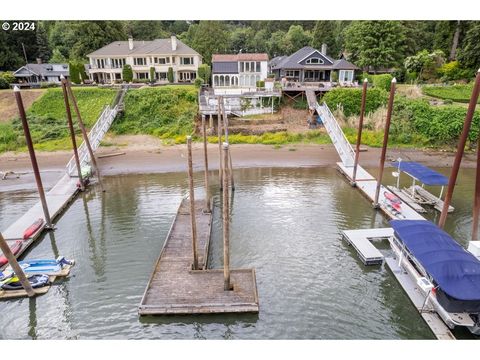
106,64
240,72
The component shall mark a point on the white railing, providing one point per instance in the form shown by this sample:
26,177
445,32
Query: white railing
95,136
339,140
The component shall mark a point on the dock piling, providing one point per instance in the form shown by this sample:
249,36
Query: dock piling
84,134
33,158
385,141
16,267
192,204
226,223
219,132
359,134
460,150
225,127
72,132
205,153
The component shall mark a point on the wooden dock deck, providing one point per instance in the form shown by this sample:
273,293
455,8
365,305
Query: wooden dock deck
58,199
360,240
174,288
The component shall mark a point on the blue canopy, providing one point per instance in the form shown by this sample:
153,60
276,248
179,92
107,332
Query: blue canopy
455,270
422,173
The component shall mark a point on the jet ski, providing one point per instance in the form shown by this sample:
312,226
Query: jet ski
13,283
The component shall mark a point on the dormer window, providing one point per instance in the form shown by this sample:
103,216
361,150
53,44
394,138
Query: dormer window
49,68
314,61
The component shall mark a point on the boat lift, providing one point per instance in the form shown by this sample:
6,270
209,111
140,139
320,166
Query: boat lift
416,195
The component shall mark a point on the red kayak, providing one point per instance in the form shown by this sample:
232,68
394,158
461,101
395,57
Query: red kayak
32,229
15,249
395,202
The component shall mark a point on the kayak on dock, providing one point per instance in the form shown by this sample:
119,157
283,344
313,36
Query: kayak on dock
32,229
15,249
43,266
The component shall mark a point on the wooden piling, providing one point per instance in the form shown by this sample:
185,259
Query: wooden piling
16,267
385,141
225,127
460,150
205,160
359,133
219,132
33,158
84,134
192,204
226,223
72,133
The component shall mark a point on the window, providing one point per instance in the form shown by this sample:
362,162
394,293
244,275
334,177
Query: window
257,68
186,61
247,67
139,61
313,61
100,63
345,76
142,75
118,63
292,73
161,76
242,66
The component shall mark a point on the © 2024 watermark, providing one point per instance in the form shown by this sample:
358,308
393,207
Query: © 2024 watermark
18,25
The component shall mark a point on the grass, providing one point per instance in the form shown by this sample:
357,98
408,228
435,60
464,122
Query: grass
456,93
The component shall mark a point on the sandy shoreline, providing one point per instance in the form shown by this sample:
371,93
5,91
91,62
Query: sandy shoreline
155,158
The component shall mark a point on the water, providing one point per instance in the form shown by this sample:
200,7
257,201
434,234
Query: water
285,224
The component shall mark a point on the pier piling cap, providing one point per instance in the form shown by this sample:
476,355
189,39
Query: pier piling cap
189,137
62,77
365,80
225,145
394,80
16,88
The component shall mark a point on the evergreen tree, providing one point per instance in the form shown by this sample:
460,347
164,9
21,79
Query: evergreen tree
204,72
297,38
170,76
209,37
324,33
43,49
469,54
127,73
57,57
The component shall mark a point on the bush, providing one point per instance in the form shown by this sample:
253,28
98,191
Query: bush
170,75
400,74
127,73
198,82
382,81
260,84
204,72
152,74
271,76
141,81
7,78
350,100
452,71
45,84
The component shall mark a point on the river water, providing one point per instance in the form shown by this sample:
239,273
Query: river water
286,224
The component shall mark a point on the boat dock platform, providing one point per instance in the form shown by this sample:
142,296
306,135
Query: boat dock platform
174,288
361,241
405,197
423,196
58,199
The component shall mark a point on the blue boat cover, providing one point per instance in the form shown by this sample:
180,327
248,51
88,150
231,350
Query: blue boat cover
422,173
455,270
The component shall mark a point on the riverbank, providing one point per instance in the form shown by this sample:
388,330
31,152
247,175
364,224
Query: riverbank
149,156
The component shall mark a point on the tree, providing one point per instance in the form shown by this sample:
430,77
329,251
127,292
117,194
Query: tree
43,49
241,40
376,44
127,73
324,33
152,74
276,44
204,72
146,30
297,38
57,57
74,72
469,54
208,37
170,77
425,63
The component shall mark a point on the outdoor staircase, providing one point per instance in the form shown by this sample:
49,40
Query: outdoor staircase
97,132
343,147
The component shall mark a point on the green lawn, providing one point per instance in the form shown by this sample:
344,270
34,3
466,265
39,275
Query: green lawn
456,93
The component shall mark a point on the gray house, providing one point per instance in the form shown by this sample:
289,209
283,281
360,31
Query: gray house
36,73
309,65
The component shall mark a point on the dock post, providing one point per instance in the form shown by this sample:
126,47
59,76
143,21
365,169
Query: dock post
219,132
16,267
192,204
226,223
84,134
72,133
225,126
210,121
359,133
33,158
385,141
208,208
460,150
476,199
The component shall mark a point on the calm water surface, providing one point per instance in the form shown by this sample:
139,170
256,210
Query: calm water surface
286,224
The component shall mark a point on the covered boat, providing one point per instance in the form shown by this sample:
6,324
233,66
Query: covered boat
454,271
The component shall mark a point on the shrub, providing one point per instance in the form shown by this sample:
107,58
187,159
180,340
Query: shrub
260,84
7,78
271,76
127,73
204,72
170,75
45,85
458,93
198,82
141,81
350,100
400,74
152,74
382,81
452,71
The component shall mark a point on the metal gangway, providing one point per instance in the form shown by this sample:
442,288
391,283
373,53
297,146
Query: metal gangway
339,140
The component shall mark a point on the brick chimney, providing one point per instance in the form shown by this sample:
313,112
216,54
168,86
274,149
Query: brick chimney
130,43
324,49
173,39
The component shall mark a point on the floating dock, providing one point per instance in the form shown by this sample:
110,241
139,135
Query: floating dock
174,288
361,241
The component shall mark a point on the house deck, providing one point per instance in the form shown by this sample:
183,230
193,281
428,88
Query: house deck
174,288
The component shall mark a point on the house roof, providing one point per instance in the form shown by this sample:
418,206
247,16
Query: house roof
294,61
225,67
157,46
343,64
240,57
42,70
